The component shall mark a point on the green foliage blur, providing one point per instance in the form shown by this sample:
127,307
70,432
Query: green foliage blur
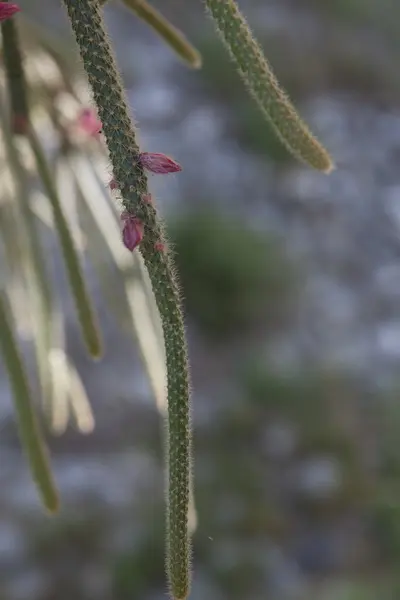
232,276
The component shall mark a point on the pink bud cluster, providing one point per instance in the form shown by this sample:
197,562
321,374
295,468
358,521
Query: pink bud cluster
132,227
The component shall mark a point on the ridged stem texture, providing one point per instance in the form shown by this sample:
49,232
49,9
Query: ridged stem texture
118,128
262,83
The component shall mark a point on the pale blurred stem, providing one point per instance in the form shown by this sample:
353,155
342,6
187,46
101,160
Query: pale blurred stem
31,255
261,82
99,63
168,32
86,314
28,426
17,90
57,47
22,199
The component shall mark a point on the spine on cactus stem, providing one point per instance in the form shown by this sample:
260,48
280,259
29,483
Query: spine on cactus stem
260,80
119,131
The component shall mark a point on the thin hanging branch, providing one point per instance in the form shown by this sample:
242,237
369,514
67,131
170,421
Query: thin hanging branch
174,38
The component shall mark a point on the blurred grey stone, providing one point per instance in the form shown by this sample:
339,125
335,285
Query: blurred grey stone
30,583
317,478
280,440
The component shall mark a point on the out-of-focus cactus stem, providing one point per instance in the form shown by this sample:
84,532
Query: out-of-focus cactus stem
259,78
99,63
85,311
28,426
34,259
20,123
168,32
15,77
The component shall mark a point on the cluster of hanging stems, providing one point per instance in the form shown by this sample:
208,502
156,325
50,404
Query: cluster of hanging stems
154,162
156,257
139,220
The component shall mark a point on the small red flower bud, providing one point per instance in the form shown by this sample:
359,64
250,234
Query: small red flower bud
113,185
88,122
159,163
132,231
159,246
8,10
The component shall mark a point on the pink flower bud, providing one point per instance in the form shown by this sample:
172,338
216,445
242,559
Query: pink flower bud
8,10
159,246
159,163
89,123
132,231
113,185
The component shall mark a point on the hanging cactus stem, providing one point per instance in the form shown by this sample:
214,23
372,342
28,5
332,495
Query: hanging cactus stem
86,315
170,34
120,135
28,426
141,232
174,38
261,82
15,78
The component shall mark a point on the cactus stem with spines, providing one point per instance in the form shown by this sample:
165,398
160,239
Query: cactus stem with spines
99,63
263,85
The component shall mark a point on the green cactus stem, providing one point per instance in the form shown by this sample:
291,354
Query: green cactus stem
168,32
29,431
19,104
15,76
100,66
86,314
260,80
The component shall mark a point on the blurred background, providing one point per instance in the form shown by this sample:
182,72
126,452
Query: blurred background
291,286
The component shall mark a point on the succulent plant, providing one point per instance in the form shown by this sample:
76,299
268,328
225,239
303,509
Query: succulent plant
51,187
